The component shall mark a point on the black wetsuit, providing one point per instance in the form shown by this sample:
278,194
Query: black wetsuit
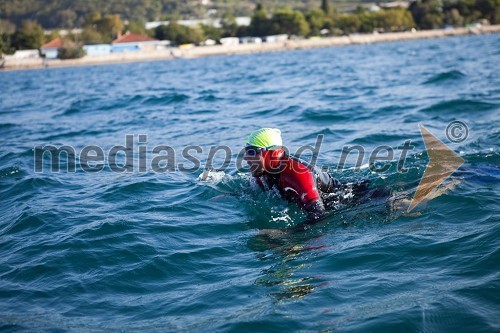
312,189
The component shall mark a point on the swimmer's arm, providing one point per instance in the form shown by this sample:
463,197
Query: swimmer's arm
315,213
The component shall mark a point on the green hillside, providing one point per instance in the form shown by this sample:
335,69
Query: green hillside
72,13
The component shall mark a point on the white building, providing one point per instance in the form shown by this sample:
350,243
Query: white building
24,54
250,40
230,41
276,38
242,21
50,50
97,49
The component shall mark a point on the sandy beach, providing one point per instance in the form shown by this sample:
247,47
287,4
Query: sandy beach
201,51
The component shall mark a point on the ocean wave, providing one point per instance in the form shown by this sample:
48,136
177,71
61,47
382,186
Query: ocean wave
25,223
381,138
455,106
166,99
263,92
261,113
324,115
446,77
10,171
76,134
208,98
6,126
327,132
81,105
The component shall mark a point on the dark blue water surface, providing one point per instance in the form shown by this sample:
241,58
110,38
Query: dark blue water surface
181,251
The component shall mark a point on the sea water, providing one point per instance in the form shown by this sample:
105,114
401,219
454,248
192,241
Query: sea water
177,250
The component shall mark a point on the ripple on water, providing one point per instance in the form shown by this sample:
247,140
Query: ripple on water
325,115
7,126
80,106
452,107
448,77
272,112
10,171
166,99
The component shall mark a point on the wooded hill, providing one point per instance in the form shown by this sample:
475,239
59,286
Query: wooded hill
72,13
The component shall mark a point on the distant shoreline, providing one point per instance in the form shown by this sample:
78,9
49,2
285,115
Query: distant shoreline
203,51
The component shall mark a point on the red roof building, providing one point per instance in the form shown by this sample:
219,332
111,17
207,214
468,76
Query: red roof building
53,44
133,38
49,50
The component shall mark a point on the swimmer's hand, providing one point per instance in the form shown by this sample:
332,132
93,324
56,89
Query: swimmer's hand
315,213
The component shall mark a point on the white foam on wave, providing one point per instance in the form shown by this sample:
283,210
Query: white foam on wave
211,176
282,216
268,203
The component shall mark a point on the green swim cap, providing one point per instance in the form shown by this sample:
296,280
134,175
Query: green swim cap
265,138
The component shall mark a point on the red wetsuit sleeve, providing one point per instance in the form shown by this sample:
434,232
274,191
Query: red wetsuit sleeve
297,182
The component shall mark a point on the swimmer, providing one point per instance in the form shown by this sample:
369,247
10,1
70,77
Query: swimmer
312,189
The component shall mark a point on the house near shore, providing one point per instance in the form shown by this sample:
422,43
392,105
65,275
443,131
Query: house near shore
276,38
230,41
131,42
93,50
395,4
63,32
217,23
250,40
49,50
23,54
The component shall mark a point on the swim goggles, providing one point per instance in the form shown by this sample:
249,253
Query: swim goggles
252,150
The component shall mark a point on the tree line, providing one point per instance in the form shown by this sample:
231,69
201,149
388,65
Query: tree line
69,14
422,14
